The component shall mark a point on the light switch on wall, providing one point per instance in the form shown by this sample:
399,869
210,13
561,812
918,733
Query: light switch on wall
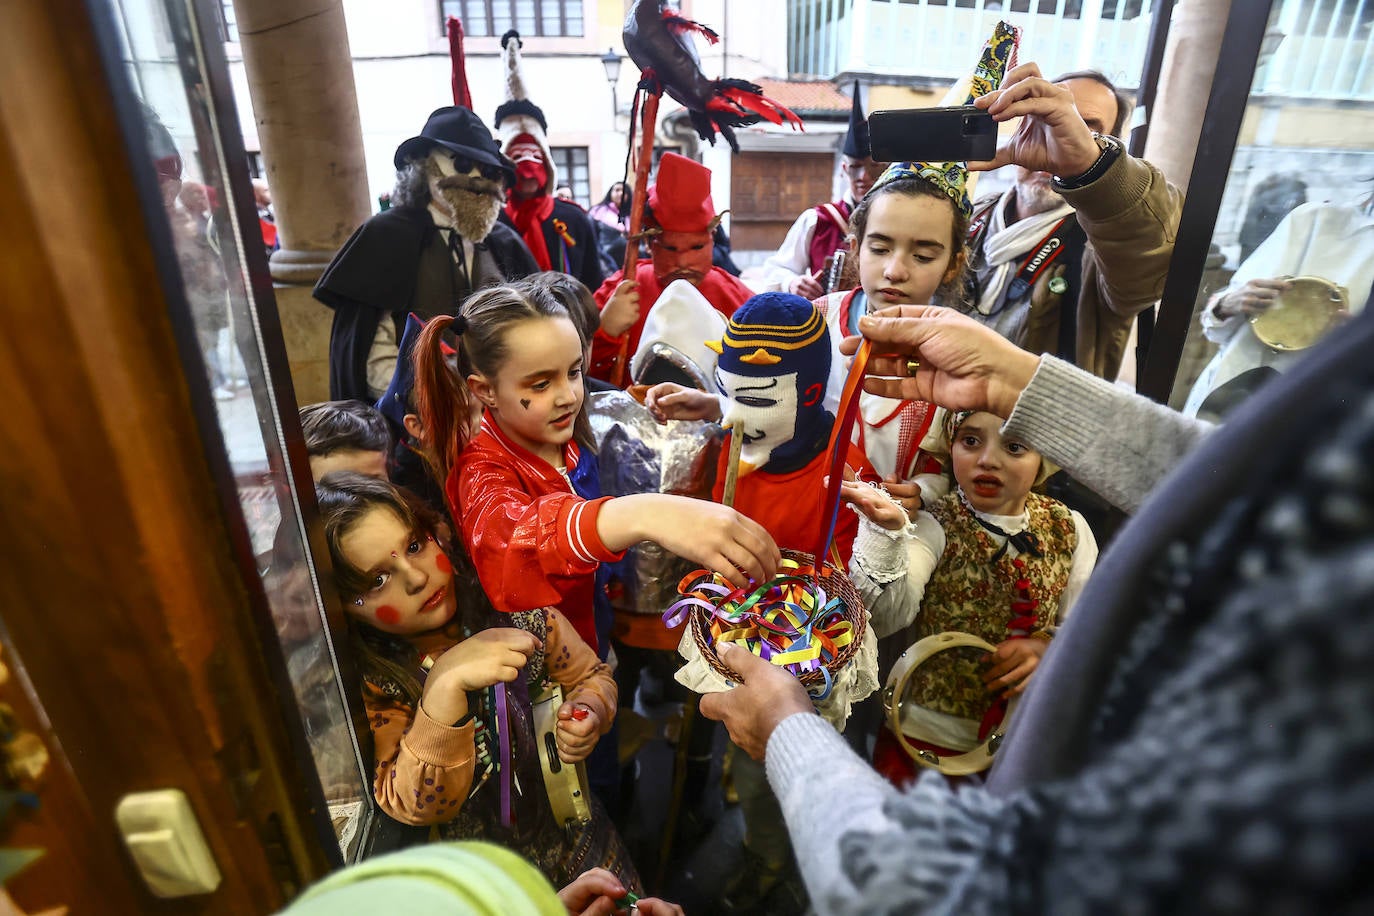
166,842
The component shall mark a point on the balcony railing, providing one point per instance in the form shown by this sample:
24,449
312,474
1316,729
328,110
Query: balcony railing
939,39
1320,48
1325,49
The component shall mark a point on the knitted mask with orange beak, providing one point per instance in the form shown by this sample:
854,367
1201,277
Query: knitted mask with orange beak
772,371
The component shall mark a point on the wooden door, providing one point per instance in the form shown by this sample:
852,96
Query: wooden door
769,191
133,649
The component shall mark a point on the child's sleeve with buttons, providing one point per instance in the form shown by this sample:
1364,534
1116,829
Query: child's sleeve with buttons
424,768
574,666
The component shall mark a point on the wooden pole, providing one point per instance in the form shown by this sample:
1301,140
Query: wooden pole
644,161
689,709
727,496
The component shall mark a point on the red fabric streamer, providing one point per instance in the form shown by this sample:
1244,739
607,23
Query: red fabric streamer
462,96
529,216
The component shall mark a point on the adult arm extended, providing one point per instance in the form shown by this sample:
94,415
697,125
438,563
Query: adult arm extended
1118,443
853,832
1115,441
1130,216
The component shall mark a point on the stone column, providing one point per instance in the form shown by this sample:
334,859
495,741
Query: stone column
1185,81
300,78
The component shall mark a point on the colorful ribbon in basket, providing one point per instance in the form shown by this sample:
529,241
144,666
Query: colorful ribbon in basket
789,621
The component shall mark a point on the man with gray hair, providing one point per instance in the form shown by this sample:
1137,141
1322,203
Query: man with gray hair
1062,264
438,243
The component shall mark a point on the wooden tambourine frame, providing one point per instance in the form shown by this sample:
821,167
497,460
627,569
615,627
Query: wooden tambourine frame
974,761
566,783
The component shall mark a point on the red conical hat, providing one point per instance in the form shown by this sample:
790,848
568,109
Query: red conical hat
681,197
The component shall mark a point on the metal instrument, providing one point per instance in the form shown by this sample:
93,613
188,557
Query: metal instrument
566,783
833,271
1303,314
974,761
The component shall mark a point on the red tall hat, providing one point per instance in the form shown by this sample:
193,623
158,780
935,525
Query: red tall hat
681,197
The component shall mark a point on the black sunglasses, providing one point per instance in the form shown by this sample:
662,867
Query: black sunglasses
463,165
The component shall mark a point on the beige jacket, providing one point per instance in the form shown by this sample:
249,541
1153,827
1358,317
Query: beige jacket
1130,216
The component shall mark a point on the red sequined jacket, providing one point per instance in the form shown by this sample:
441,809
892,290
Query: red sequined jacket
533,541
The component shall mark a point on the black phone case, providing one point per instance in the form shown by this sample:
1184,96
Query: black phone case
955,134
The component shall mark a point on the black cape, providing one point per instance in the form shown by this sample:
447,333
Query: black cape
581,259
377,274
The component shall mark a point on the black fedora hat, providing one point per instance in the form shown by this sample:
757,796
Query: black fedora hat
460,131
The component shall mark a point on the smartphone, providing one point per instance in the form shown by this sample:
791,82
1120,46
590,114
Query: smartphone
953,134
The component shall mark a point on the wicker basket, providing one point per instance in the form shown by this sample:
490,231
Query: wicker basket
836,584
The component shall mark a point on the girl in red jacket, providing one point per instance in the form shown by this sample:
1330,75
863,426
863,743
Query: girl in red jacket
523,484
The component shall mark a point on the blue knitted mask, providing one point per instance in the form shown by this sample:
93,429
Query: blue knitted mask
772,371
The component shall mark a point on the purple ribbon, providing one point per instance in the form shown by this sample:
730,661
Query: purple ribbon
503,741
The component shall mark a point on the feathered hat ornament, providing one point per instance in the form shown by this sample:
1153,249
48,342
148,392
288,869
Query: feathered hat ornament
458,63
659,41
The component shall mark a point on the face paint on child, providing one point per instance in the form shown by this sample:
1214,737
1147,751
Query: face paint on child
409,579
543,377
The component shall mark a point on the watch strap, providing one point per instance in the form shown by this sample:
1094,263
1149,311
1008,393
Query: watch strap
1111,150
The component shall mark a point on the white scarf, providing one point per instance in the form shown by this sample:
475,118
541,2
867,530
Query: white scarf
1004,246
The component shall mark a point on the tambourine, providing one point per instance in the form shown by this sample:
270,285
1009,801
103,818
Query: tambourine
974,761
566,783
1302,315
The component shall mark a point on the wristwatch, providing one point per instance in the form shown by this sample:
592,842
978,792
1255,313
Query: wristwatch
1111,149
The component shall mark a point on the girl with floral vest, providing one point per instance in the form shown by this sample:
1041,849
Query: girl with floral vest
999,562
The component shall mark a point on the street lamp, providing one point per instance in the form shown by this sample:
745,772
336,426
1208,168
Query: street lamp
612,61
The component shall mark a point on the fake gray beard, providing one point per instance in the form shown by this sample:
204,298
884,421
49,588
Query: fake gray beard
471,213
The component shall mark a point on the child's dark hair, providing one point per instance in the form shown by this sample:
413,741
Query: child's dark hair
333,426
576,298
442,397
345,498
950,287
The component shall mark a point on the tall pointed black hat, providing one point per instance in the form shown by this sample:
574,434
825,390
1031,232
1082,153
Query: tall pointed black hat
856,138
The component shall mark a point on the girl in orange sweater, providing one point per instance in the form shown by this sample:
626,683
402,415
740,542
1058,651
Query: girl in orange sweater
452,749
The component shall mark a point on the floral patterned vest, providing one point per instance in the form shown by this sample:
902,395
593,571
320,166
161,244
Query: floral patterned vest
968,594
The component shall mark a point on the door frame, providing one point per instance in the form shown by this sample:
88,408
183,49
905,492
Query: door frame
131,629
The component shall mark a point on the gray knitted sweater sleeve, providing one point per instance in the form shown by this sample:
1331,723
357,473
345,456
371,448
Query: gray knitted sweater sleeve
857,838
927,849
1116,442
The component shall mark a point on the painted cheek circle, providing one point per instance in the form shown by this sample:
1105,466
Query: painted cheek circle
442,564
388,615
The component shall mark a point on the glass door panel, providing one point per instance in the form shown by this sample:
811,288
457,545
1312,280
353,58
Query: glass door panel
1292,251
173,64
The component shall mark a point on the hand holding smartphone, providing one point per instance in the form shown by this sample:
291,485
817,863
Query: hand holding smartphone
957,134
